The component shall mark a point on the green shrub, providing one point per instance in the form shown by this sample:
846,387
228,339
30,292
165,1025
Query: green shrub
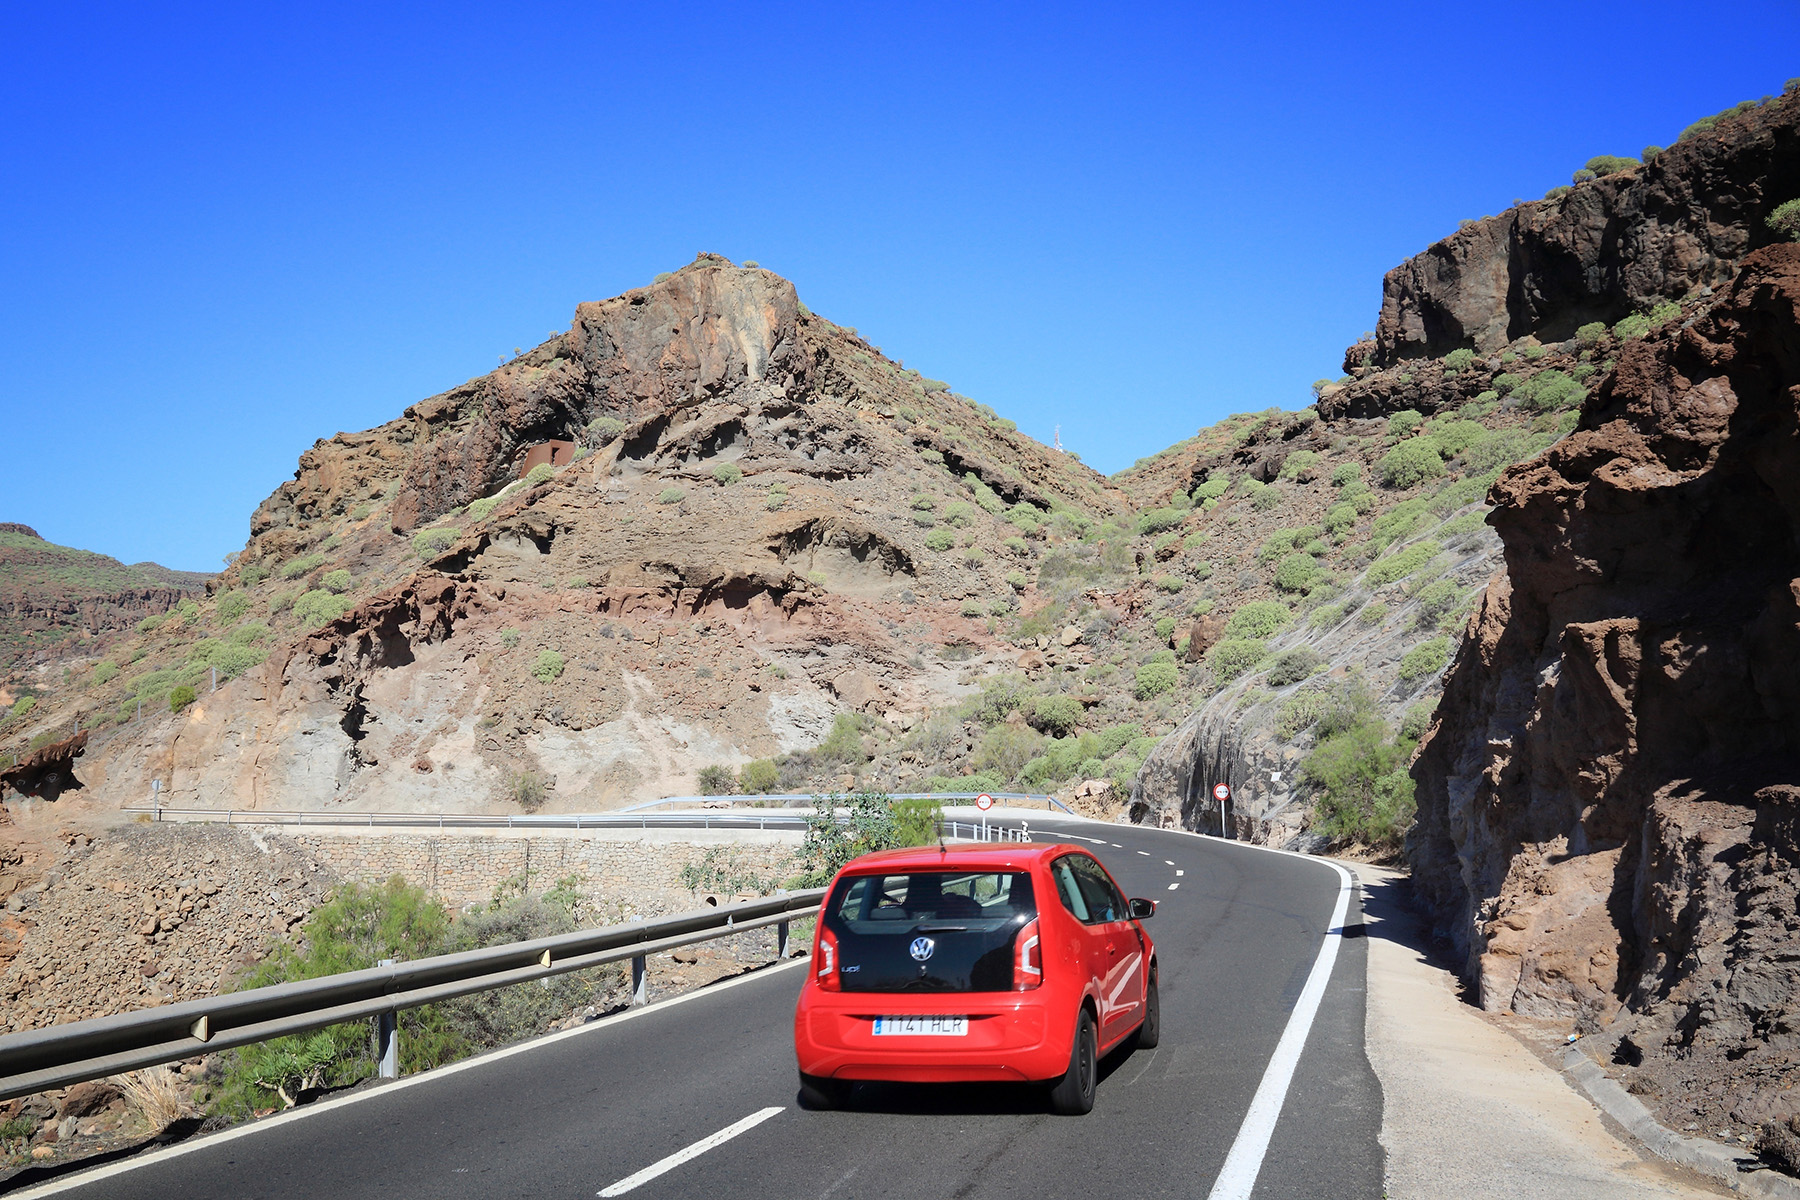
1017,545
1025,517
1425,659
1292,666
431,542
940,540
932,456
1590,334
1784,219
1259,619
231,606
1550,390
1299,463
509,637
549,666
716,780
23,706
924,503
1268,499
671,495
1373,614
1398,566
924,520
844,743
972,608
1296,573
1629,328
1155,678
1651,152
1410,463
1325,616
1170,583
1016,580
479,509
1212,489
985,496
1361,792
318,606
1165,628
1603,165
727,473
1437,599
1417,720
1403,423
337,581
959,513
541,474
1345,473
1233,656
1056,715
302,566
180,698
1458,360
249,633
105,671
759,777
1340,517
775,500
1159,519
1451,438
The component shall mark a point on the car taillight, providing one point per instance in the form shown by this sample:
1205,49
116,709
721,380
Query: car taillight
1028,963
827,972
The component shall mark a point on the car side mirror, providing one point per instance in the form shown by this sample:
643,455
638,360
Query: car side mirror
1141,909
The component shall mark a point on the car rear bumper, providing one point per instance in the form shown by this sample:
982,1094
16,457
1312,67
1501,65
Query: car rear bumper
1011,1037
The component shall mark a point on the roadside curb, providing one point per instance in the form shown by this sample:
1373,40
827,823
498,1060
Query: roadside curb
1715,1160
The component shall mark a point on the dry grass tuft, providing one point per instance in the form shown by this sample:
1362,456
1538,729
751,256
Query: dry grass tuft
156,1093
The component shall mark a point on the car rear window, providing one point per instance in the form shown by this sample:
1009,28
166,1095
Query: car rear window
929,931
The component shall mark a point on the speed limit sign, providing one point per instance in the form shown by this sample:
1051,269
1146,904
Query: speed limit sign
984,802
1221,792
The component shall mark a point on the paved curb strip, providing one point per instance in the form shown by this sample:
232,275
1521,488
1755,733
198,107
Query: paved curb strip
1712,1159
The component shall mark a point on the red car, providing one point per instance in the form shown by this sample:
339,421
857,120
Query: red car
993,962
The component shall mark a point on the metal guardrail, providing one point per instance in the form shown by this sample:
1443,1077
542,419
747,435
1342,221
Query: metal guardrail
771,819
805,798
39,1059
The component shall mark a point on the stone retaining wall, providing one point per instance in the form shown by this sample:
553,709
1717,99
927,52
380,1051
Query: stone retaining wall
620,877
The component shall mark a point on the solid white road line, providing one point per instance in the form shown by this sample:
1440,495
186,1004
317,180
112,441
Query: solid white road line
1242,1165
694,1151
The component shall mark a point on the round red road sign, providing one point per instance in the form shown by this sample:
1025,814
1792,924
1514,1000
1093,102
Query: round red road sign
1221,791
984,802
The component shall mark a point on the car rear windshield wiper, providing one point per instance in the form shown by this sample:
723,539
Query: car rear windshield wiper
937,927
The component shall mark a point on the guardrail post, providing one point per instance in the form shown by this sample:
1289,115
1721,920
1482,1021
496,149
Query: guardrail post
781,940
640,980
387,1039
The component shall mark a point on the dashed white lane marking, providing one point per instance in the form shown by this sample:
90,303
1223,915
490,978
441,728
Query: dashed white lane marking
1179,874
1145,853
1173,886
1115,845
694,1151
1168,862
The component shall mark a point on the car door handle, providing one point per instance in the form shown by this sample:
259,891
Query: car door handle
1112,949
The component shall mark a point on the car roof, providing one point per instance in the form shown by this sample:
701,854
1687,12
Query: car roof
1016,856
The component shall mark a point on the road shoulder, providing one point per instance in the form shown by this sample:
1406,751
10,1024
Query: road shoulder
1469,1110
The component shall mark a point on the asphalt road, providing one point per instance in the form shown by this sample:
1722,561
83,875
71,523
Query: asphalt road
575,1115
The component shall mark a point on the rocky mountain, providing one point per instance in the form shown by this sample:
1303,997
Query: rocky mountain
54,598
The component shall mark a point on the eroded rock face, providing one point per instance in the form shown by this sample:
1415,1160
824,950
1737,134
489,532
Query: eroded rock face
1613,245
1607,804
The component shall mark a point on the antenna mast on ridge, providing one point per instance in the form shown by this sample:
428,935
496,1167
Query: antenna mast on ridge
1058,437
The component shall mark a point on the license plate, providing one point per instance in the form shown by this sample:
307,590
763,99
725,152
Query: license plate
921,1026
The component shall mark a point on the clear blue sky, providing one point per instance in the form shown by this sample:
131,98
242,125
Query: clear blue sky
226,231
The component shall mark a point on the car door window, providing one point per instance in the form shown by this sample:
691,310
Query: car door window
1068,889
1103,901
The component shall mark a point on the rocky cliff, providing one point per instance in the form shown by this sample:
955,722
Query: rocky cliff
1608,827
1605,248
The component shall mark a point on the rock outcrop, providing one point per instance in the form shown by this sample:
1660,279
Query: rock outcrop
1607,805
1608,247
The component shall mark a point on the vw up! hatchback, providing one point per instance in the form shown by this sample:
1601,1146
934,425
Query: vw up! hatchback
992,962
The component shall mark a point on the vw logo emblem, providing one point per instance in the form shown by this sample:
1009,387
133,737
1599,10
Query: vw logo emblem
921,948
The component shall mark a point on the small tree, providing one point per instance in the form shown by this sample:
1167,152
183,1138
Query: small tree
716,780
1785,220
180,698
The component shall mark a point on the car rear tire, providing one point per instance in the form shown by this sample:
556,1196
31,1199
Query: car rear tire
821,1094
1073,1094
1149,1031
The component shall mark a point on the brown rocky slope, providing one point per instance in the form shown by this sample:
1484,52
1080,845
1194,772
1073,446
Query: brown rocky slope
1609,805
